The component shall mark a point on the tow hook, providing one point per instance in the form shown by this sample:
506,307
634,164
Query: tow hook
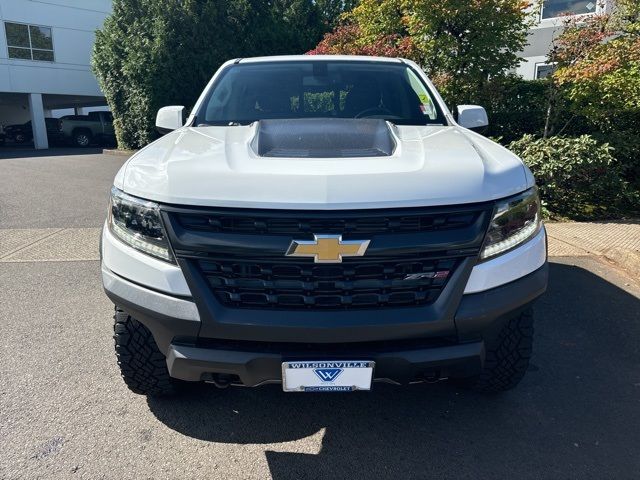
220,380
434,378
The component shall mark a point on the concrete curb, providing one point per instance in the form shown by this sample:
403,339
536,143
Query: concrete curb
117,152
616,242
628,260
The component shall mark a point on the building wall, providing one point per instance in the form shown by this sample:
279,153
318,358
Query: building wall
17,112
539,43
73,31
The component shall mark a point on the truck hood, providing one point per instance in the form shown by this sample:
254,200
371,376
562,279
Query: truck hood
217,166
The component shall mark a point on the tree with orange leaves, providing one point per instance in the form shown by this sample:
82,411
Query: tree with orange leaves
598,61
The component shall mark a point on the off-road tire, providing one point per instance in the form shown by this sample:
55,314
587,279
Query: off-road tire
507,356
142,365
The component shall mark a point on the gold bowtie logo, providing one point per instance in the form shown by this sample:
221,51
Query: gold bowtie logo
327,248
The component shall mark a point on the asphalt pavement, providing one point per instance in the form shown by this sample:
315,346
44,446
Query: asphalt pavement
57,188
65,413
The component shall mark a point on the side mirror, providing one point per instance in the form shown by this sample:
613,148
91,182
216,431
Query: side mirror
169,118
472,116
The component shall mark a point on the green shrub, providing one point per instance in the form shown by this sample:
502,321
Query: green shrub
578,177
622,132
515,106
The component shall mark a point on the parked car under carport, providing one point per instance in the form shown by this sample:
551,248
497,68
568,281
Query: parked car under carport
23,133
84,130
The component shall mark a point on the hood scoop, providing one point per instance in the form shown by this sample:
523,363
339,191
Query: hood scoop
324,138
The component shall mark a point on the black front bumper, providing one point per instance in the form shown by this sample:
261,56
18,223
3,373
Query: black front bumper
253,368
401,353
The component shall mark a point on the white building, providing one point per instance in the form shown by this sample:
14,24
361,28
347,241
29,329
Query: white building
550,16
45,52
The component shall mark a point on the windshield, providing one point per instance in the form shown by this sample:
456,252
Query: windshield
248,92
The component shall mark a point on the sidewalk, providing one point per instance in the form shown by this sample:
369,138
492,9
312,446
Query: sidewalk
617,242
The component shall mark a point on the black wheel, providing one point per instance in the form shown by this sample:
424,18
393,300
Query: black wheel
82,139
20,138
507,356
142,365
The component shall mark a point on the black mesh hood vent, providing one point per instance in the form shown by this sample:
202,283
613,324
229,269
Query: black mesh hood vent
324,138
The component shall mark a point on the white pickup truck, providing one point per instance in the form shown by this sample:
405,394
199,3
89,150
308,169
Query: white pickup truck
325,223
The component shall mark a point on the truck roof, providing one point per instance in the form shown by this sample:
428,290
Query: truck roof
317,58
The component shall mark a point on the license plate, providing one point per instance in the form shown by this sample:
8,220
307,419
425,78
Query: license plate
327,376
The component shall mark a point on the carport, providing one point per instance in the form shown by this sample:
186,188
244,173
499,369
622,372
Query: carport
34,107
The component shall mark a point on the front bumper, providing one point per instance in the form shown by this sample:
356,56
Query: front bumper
252,368
402,358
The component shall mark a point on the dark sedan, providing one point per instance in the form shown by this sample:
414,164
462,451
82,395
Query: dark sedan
22,133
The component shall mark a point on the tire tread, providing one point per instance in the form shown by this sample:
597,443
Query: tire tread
507,358
142,366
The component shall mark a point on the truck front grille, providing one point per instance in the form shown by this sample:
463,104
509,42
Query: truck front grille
355,223
238,255
305,285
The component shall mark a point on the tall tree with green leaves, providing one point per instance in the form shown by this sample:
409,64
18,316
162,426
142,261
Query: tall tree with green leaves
464,44
460,44
331,10
150,54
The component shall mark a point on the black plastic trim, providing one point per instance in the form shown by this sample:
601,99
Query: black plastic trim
165,329
479,312
362,325
347,213
254,368
293,325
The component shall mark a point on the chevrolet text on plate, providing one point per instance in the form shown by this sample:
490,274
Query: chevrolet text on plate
323,223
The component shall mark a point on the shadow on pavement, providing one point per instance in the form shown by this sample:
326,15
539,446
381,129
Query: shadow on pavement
575,415
29,152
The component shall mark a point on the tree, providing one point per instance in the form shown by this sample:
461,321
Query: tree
331,10
372,28
348,40
597,81
297,24
464,44
150,54
598,61
460,44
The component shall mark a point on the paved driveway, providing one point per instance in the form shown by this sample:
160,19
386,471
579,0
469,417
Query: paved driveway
64,412
58,190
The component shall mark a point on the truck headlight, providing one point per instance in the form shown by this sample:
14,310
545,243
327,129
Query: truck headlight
137,223
515,220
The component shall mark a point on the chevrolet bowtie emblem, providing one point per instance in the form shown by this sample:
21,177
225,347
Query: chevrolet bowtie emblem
327,248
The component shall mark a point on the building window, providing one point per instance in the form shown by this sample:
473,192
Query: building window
29,42
543,70
557,8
